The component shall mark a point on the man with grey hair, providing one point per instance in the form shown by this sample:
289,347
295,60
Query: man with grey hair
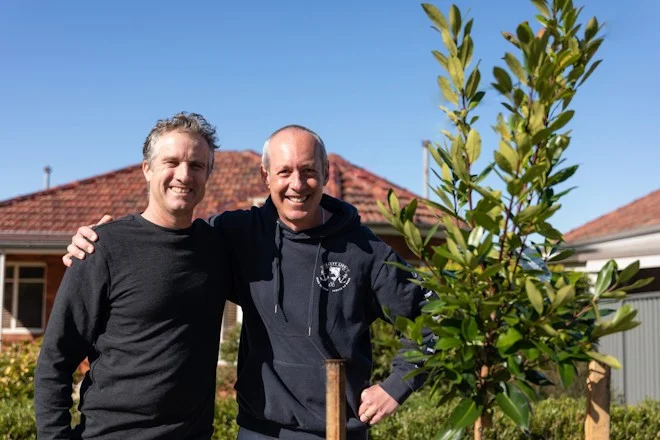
310,279
145,308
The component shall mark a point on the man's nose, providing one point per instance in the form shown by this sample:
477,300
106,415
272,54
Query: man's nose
182,172
297,181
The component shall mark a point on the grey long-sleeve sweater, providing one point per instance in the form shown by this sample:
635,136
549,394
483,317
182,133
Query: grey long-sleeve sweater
146,309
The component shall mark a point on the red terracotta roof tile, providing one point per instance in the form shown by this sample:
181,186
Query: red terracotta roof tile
641,213
234,184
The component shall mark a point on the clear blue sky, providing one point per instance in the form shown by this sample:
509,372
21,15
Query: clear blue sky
82,82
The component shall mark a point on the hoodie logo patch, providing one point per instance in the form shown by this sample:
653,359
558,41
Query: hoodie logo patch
334,276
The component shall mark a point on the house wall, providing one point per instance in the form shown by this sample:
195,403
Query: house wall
54,273
638,352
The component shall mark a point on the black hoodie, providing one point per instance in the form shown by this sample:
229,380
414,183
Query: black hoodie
310,296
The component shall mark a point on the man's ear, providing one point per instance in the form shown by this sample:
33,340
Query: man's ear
264,176
326,175
146,170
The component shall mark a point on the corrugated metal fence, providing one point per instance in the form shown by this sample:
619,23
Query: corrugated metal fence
639,352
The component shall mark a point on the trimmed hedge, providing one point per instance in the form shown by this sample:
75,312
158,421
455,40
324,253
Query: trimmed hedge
418,419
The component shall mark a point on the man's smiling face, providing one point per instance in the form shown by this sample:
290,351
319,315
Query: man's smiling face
295,178
177,177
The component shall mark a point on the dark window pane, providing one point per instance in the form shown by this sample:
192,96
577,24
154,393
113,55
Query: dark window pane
31,272
9,272
6,307
30,305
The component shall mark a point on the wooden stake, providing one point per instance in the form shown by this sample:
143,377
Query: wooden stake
335,400
597,424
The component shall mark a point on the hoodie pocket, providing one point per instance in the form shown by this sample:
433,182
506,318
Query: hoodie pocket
288,394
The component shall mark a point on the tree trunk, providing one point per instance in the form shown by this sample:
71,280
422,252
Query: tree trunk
484,422
597,423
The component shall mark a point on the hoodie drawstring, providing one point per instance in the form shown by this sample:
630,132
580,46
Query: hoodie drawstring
311,291
276,265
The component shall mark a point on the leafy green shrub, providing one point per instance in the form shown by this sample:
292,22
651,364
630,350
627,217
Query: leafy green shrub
639,422
385,343
552,419
17,421
225,419
224,381
17,363
229,346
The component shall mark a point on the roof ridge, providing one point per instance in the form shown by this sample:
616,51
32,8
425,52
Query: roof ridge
585,226
96,177
68,185
376,176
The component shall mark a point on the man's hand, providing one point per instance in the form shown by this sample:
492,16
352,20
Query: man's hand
81,242
375,405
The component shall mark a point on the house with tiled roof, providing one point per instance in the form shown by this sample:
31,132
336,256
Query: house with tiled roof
627,234
36,228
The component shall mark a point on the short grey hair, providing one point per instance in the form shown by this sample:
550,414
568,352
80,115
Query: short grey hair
318,144
191,123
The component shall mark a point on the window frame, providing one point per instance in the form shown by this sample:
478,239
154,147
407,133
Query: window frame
15,281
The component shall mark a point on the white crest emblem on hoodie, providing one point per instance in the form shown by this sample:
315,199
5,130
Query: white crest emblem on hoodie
334,276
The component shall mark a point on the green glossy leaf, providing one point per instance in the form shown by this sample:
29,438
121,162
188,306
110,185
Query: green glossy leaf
473,145
456,72
435,15
524,34
562,175
542,6
469,329
514,404
629,272
509,154
590,71
473,83
449,43
467,49
450,434
605,359
637,284
447,343
431,233
447,91
503,79
561,120
515,67
506,340
591,29
564,295
604,278
441,58
567,373
485,221
534,295
455,20
393,201
413,237
465,414
529,212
